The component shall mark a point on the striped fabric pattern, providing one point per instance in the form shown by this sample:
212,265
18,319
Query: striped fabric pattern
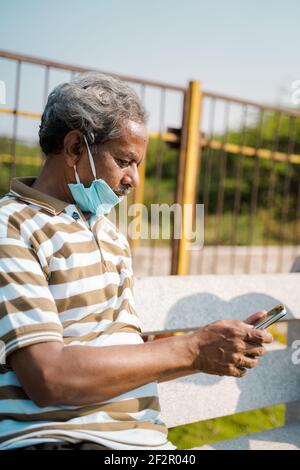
71,281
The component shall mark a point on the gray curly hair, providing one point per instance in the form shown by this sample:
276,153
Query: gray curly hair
94,103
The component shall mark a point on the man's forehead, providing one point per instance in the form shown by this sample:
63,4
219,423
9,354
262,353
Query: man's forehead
134,130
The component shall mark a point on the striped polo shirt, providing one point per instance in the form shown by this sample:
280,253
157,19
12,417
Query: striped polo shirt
64,278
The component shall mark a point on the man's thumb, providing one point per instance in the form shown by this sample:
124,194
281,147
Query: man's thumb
256,317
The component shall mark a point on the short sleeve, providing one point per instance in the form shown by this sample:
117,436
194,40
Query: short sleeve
28,313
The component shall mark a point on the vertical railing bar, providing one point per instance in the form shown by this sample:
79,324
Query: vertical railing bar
138,193
270,196
208,169
45,97
46,84
254,191
237,196
178,155
143,93
220,199
286,189
158,168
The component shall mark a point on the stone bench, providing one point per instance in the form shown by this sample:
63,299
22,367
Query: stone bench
183,303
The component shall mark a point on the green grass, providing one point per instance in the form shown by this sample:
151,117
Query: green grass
207,432
259,229
259,232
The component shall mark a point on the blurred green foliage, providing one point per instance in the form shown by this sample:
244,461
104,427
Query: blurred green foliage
161,174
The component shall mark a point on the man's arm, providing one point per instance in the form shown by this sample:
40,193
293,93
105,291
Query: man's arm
53,374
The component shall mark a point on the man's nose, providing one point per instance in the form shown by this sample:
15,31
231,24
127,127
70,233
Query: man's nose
131,176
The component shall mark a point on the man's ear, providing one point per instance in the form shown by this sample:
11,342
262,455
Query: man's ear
73,147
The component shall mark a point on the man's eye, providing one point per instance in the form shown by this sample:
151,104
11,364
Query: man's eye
122,163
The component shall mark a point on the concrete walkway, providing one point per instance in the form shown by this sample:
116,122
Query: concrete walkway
221,260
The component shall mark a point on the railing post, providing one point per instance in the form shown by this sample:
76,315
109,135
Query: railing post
187,173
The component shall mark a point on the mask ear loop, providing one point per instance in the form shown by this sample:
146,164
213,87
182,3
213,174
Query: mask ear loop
90,158
76,174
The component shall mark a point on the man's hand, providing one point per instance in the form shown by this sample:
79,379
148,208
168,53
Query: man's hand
229,347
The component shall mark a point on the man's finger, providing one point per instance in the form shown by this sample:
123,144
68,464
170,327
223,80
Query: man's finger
238,372
246,362
258,336
254,352
233,371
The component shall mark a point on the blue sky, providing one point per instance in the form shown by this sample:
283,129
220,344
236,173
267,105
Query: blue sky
246,49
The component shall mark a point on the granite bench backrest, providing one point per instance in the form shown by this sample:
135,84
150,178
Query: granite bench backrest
176,303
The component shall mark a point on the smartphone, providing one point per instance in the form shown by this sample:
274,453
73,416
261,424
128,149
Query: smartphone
273,315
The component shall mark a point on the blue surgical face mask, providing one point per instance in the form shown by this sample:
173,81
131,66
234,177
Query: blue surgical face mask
98,198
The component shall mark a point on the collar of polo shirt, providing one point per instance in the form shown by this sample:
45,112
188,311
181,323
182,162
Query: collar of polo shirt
21,189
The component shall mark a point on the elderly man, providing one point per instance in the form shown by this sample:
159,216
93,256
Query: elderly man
78,373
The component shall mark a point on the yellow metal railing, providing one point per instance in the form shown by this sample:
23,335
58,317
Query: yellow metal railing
28,114
190,147
172,138
190,141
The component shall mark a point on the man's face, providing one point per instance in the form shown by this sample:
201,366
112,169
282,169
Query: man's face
117,160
